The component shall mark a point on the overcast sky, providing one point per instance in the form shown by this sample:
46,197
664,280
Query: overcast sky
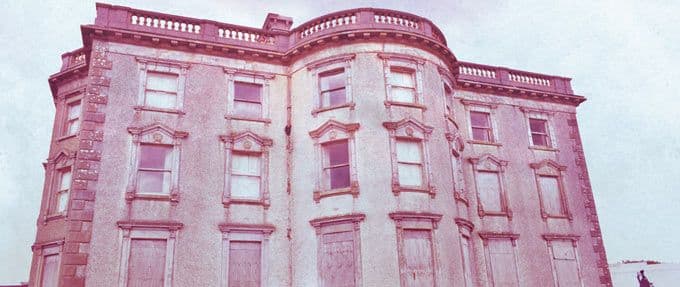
622,55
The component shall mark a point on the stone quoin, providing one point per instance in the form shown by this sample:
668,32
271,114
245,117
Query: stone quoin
352,150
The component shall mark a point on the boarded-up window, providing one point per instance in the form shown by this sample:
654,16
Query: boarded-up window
161,90
403,85
332,88
550,194
336,164
566,266
410,163
245,263
417,268
337,260
155,169
50,271
465,245
248,99
503,267
62,192
489,189
245,176
72,123
146,265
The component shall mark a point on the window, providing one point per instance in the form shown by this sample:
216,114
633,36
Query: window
161,85
332,88
564,259
49,256
61,195
338,260
403,80
146,264
501,262
247,162
403,85
539,132
415,248
481,126
72,123
410,168
551,193
155,159
155,169
244,254
245,176
540,129
492,198
161,90
147,254
335,163
248,95
489,189
248,100
410,162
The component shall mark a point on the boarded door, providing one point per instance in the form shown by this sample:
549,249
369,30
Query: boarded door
50,270
417,270
146,266
566,265
244,264
337,260
503,264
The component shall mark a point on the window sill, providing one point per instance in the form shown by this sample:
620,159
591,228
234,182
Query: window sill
129,196
353,190
227,201
67,137
160,110
483,213
55,216
543,148
349,105
396,189
484,143
546,216
242,118
405,104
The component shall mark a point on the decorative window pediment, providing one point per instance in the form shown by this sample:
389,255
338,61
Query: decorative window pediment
551,190
488,162
246,178
409,128
492,198
336,159
155,159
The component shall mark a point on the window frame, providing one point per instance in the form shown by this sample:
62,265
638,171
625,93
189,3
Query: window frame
45,249
63,102
420,221
54,166
573,239
548,117
491,164
393,61
155,134
489,236
482,107
245,233
246,143
412,130
160,66
249,77
338,224
333,131
318,68
66,124
550,168
150,230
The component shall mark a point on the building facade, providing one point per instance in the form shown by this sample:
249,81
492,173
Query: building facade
352,150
